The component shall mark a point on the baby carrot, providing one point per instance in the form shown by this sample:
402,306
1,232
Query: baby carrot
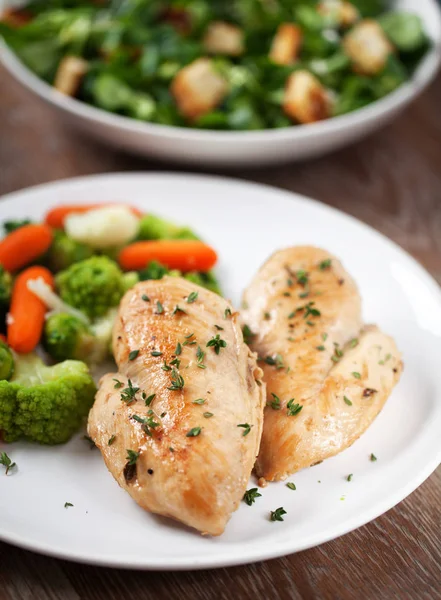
185,255
24,245
55,217
26,316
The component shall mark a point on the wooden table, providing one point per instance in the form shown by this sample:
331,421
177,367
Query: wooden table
391,181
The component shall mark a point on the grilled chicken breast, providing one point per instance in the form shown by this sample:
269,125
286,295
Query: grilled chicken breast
179,425
326,378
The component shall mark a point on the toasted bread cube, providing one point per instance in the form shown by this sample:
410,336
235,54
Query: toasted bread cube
345,13
71,71
367,47
286,44
305,99
224,38
198,88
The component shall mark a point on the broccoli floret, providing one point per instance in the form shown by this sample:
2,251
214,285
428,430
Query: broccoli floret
65,251
94,285
12,225
67,337
7,363
5,286
152,227
45,404
207,280
153,270
156,270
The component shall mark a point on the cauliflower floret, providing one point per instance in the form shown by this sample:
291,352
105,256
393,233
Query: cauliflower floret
45,404
104,227
198,88
286,44
305,99
69,75
342,13
367,47
224,38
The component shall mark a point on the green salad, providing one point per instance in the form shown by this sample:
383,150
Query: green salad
238,65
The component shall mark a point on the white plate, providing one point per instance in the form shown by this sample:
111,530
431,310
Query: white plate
245,222
233,148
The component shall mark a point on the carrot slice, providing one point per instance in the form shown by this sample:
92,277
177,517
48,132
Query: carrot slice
185,255
26,316
55,217
24,245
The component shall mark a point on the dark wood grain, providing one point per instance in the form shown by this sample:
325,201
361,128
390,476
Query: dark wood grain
392,181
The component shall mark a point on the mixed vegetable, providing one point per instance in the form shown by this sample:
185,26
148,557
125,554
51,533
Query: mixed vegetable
60,285
214,64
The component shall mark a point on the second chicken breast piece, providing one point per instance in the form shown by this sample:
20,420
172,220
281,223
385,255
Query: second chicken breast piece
179,425
327,378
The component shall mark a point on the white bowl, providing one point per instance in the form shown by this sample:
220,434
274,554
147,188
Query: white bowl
233,148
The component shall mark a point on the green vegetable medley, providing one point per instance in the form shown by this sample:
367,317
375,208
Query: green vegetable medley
46,401
218,64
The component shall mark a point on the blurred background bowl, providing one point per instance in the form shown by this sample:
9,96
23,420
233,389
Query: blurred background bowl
241,148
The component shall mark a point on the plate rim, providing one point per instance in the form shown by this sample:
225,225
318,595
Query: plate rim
253,553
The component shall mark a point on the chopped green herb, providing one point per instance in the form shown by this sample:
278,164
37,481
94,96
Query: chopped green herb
349,477
178,309
292,314
289,282
302,277
353,343
310,323
310,311
7,462
373,457
159,308
304,294
250,496
347,401
228,313
267,316
111,440
171,449
145,298
324,336
178,349
287,294
248,335
118,384
219,328
293,408
277,515
216,343
189,341
199,401
128,394
192,297
132,457
194,432
200,355
275,403
291,486
155,353
325,264
321,348
67,504
166,367
207,415
177,381
176,362
356,374
133,354
87,439
246,427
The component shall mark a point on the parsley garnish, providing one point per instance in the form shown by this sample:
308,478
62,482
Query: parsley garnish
177,381
148,400
325,264
199,401
111,440
250,496
216,343
277,515
178,349
293,409
188,340
356,374
194,432
309,310
302,277
132,457
6,462
67,504
291,486
165,366
155,353
133,354
145,298
118,384
200,355
275,403
159,308
373,457
349,477
192,297
347,401
246,427
178,309
128,394
321,348
207,415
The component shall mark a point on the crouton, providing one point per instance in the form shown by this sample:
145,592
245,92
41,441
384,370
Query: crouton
223,38
367,47
344,13
198,88
70,73
286,44
305,99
